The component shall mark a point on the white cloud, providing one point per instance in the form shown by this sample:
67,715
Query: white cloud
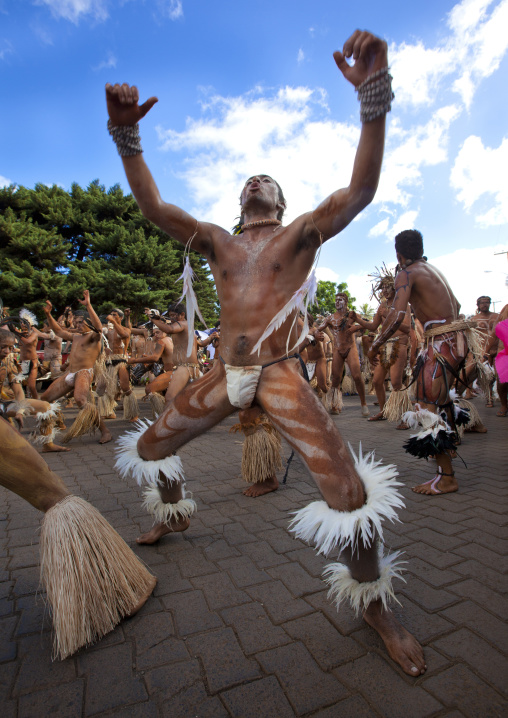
479,171
107,64
301,56
325,274
471,52
170,8
4,182
283,135
473,272
73,10
5,49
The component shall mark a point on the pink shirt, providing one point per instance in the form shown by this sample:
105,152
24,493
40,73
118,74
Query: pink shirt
502,356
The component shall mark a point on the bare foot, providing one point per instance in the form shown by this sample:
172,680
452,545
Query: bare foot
365,410
262,487
160,530
110,416
105,437
402,426
53,447
479,429
502,412
136,418
377,417
334,411
438,485
489,404
144,598
402,647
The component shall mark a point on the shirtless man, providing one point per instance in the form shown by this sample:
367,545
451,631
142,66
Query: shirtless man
116,370
394,364
28,339
316,360
485,322
52,350
163,352
344,352
445,347
256,274
185,366
85,350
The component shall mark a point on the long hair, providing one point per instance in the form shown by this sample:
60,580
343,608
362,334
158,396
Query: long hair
237,229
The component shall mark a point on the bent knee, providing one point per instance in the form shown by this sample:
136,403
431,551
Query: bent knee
343,493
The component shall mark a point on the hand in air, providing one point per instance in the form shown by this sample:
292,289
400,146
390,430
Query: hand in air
86,298
48,307
369,53
122,102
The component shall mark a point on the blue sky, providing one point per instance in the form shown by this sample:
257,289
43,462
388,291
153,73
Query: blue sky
246,88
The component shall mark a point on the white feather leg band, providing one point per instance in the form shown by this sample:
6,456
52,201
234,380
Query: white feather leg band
343,587
129,462
165,513
329,528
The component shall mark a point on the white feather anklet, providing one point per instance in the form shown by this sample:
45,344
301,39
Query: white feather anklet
343,587
165,513
129,462
329,528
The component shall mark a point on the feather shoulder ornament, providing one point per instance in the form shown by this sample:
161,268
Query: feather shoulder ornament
27,316
191,302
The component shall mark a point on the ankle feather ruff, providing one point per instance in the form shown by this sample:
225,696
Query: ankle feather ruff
165,513
343,587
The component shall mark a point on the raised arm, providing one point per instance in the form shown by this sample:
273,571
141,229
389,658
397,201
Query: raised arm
123,332
124,114
370,56
55,326
173,328
91,311
397,312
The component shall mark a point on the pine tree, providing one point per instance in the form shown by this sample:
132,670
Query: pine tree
54,244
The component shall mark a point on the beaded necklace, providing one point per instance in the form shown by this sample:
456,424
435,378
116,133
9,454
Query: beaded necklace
261,223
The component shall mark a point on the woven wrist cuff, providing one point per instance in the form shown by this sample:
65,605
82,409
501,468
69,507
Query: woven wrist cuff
126,139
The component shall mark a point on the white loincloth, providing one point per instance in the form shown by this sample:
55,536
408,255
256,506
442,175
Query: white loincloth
242,382
70,378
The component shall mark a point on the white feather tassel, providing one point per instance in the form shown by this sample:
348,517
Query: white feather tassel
191,302
304,297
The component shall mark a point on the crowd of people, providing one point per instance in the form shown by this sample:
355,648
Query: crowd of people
283,369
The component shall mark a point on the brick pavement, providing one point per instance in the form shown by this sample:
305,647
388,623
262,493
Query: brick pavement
239,624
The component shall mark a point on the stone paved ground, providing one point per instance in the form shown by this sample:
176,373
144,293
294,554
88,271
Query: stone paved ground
239,624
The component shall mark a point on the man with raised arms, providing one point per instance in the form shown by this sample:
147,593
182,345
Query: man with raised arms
257,274
340,324
85,351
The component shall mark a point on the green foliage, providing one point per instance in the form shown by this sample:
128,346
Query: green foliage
366,311
54,244
325,296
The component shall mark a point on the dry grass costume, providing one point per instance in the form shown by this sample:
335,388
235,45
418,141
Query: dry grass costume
91,577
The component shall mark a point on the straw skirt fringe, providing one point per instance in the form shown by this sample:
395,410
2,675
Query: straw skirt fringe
91,577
